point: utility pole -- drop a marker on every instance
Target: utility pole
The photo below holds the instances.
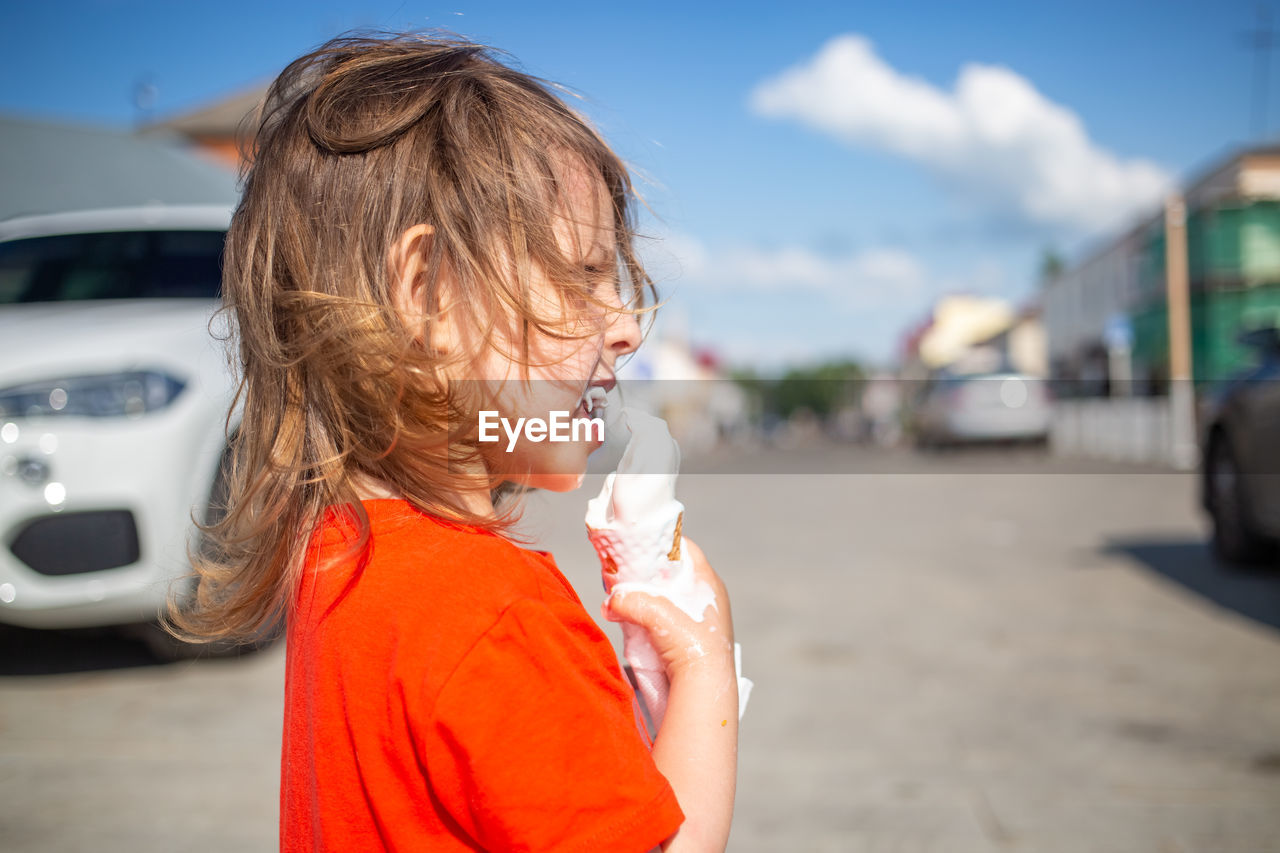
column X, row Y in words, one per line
column 1262, row 41
column 1182, row 398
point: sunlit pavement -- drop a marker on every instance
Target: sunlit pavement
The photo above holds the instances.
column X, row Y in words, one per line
column 971, row 651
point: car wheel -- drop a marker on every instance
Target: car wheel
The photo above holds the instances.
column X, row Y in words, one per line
column 1234, row 539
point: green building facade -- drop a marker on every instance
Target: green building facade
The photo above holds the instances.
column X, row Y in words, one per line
column 1233, row 257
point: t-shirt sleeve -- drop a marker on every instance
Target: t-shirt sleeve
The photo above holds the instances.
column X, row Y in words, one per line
column 533, row 745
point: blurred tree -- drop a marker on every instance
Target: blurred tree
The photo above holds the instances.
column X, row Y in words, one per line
column 1052, row 265
column 822, row 389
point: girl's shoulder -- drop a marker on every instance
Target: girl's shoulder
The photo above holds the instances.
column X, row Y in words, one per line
column 420, row 583
column 420, row 561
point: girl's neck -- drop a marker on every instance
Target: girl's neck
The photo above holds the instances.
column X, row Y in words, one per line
column 478, row 502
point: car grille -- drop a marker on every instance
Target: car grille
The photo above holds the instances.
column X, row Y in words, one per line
column 78, row 542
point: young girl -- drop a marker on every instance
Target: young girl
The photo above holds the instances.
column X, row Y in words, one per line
column 426, row 233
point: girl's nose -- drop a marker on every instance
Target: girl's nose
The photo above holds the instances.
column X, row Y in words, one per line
column 623, row 334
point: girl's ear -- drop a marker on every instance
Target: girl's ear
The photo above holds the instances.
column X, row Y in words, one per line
column 434, row 325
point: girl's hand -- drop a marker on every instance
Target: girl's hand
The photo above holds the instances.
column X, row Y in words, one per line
column 684, row 644
column 697, row 747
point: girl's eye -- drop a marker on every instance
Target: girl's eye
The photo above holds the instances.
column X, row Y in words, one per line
column 602, row 280
column 599, row 274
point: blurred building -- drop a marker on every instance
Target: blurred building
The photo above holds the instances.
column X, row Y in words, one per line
column 1022, row 345
column 218, row 130
column 960, row 324
column 975, row 334
column 51, row 167
column 1107, row 316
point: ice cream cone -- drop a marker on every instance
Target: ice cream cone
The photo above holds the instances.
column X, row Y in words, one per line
column 636, row 526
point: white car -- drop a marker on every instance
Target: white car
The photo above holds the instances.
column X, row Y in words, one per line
column 113, row 408
column 985, row 407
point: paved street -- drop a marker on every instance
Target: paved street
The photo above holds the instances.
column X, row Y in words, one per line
column 963, row 652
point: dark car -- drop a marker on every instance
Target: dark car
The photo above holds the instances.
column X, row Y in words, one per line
column 1240, row 483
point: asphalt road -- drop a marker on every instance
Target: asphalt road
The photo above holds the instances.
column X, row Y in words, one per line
column 964, row 652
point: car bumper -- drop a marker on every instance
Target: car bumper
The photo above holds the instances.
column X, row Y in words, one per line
column 72, row 491
column 998, row 425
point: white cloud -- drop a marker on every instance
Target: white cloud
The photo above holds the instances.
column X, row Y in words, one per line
column 869, row 277
column 775, row 356
column 803, row 305
column 994, row 135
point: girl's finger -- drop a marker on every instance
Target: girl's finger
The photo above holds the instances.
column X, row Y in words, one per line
column 627, row 604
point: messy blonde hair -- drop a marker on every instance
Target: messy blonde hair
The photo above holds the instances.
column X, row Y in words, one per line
column 356, row 143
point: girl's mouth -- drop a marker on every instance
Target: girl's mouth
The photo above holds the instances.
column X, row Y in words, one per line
column 591, row 409
column 593, row 402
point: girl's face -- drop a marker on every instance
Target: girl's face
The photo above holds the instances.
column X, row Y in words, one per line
column 561, row 370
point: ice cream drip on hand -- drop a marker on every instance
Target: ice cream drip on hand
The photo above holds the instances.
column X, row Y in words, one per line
column 636, row 527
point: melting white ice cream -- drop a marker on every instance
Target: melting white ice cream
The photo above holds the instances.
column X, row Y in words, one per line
column 635, row 525
column 645, row 483
column 636, row 520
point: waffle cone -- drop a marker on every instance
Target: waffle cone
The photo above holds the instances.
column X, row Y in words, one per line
column 674, row 553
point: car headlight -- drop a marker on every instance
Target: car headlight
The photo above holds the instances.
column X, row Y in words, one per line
column 108, row 395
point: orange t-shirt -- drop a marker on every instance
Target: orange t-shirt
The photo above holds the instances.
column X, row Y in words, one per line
column 449, row 692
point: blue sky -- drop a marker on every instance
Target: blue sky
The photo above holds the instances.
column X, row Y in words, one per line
column 818, row 173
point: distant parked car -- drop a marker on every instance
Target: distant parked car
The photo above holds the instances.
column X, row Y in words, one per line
column 113, row 405
column 1240, row 474
column 987, row 407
